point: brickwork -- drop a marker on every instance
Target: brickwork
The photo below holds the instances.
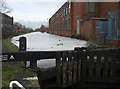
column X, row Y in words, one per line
column 7, row 22
column 79, row 12
column 107, row 6
column 59, row 21
column 88, row 29
column 115, row 42
column 60, row 25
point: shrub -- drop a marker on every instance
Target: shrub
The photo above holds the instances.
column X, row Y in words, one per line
column 8, row 33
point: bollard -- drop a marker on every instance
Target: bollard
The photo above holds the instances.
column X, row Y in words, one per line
column 22, row 47
column 22, row 44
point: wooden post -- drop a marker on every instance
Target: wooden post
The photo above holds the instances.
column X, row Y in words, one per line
column 95, row 59
column 79, row 64
column 58, row 69
column 88, row 66
column 74, row 67
column 70, row 73
column 64, row 69
column 116, row 66
column 83, row 63
column 98, row 66
column 33, row 64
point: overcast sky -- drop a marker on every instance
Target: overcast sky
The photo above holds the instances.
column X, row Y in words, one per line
column 33, row 13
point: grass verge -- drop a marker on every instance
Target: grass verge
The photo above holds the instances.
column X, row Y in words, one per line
column 12, row 71
column 11, row 47
column 15, row 70
column 9, row 71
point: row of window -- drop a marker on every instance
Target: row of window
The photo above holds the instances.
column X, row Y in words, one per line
column 7, row 18
column 63, row 26
column 63, row 12
column 9, row 27
column 7, row 22
column 90, row 8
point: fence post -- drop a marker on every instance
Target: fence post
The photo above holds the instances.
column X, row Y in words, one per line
column 70, row 68
column 58, row 69
column 64, row 69
column 83, row 63
column 78, row 63
column 74, row 59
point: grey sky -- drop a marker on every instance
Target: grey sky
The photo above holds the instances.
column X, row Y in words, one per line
column 33, row 13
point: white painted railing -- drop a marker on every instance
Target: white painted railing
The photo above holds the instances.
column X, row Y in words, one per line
column 17, row 83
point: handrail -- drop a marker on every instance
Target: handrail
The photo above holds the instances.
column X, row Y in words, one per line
column 17, row 83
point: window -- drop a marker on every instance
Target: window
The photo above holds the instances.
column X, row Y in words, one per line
column 69, row 25
column 53, row 18
column 66, row 25
column 63, row 25
column 90, row 7
column 60, row 14
column 57, row 15
column 66, row 10
column 69, row 6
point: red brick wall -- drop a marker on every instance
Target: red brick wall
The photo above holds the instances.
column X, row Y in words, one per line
column 79, row 9
column 101, row 10
column 56, row 23
column 115, row 43
column 88, row 29
column 107, row 6
column 75, row 11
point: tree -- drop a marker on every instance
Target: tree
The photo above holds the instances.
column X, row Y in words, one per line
column 4, row 7
column 42, row 28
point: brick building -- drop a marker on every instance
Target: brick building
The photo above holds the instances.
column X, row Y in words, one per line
column 79, row 18
column 17, row 27
column 7, row 22
column 111, row 10
column 86, row 14
column 60, row 22
column 66, row 21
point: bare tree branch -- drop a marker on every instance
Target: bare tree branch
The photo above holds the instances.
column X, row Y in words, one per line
column 4, row 7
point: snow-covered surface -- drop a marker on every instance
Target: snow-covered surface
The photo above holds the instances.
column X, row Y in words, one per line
column 38, row 41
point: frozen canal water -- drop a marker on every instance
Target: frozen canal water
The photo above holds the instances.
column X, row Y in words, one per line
column 38, row 41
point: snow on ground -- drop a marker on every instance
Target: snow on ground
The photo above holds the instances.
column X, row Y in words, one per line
column 38, row 41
